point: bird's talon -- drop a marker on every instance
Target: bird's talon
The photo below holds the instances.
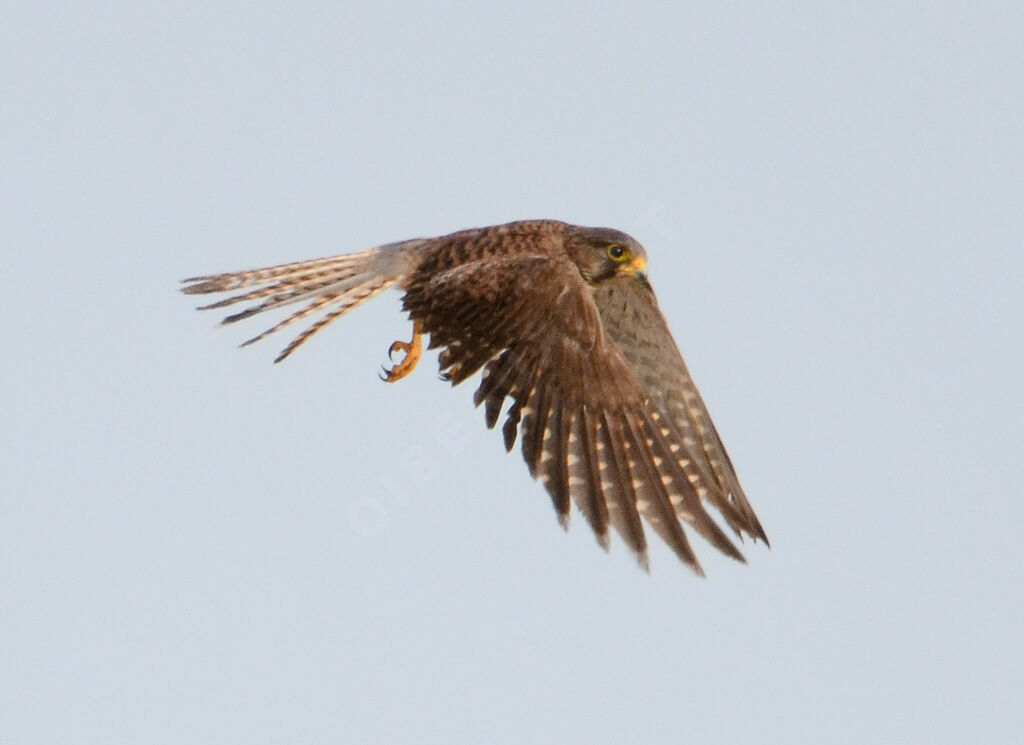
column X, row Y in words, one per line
column 396, row 346
column 412, row 350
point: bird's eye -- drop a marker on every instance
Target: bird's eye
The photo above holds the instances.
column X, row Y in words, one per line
column 617, row 252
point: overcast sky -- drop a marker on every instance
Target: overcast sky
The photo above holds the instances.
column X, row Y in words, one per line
column 197, row 545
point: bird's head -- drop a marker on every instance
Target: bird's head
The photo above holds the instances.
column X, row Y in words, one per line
column 603, row 253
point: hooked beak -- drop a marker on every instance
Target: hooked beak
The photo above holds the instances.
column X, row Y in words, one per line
column 637, row 269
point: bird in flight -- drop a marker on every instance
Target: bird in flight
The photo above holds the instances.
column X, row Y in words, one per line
column 564, row 326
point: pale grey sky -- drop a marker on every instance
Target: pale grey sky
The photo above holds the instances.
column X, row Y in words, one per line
column 199, row 546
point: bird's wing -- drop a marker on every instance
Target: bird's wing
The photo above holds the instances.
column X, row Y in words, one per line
column 632, row 320
column 588, row 430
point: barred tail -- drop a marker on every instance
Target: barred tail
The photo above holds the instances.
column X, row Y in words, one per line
column 335, row 284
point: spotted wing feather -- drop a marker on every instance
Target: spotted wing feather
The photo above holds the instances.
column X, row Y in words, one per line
column 587, row 429
column 632, row 320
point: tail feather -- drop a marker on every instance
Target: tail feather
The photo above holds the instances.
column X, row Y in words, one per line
column 301, row 313
column 343, row 281
column 320, row 288
column 348, row 301
column 280, row 291
column 290, row 273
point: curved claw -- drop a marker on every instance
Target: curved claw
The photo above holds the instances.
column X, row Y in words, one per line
column 395, row 346
column 412, row 350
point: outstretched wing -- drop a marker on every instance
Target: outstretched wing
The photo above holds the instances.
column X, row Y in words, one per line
column 589, row 431
column 631, row 318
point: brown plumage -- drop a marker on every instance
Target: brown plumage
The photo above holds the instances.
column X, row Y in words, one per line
column 561, row 320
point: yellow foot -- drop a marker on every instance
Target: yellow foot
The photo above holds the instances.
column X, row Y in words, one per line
column 413, row 349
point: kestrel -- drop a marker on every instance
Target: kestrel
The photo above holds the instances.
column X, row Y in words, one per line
column 562, row 322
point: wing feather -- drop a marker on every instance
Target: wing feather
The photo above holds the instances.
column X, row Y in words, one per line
column 618, row 486
column 653, row 501
column 588, row 428
column 554, row 460
column 585, row 474
column 632, row 320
